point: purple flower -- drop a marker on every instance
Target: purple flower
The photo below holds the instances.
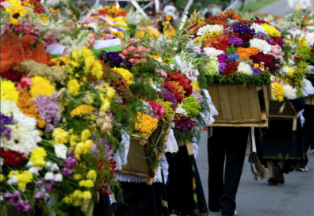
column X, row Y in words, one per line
column 128, row 64
column 222, row 67
column 5, row 131
column 168, row 96
column 70, row 162
column 70, row 152
column 11, row 202
column 197, row 96
column 40, row 182
column 39, row 195
column 66, row 171
column 119, row 125
column 17, row 194
column 222, row 58
column 48, row 187
column 8, row 196
column 114, row 58
column 243, row 29
column 183, row 122
column 23, row 206
column 256, row 71
column 49, row 109
column 235, row 41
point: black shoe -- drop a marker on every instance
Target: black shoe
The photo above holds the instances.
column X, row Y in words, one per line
column 278, row 174
column 215, row 210
column 272, row 181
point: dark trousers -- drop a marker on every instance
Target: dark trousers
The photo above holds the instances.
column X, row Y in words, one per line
column 226, row 144
column 308, row 132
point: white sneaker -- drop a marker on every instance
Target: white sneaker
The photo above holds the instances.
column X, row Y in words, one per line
column 235, row 212
column 303, row 169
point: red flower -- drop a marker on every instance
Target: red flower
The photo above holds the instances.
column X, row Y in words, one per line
column 170, row 87
column 176, row 76
column 39, row 10
column 14, row 76
column 12, row 158
column 268, row 60
column 189, row 90
column 246, row 37
column 231, row 67
column 297, row 58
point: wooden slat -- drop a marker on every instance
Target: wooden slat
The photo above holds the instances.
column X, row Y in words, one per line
column 213, row 92
column 234, row 102
column 254, row 103
column 224, row 102
column 266, row 100
column 245, row 103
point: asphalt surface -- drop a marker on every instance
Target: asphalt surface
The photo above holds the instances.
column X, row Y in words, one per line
column 279, row 8
column 256, row 198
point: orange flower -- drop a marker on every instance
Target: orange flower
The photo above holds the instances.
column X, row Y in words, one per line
column 245, row 53
column 27, row 106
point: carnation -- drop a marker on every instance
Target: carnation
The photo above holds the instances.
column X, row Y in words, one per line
column 244, row 68
column 208, row 29
column 262, row 45
column 290, row 92
column 212, row 52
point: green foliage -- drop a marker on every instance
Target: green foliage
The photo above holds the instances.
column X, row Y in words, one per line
column 240, row 79
column 231, row 50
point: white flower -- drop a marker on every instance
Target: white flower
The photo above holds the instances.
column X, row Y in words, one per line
column 290, row 92
column 159, row 59
column 244, row 68
column 49, row 176
column 58, row 177
column 48, row 164
column 54, row 167
column 21, row 140
column 1, row 197
column 310, row 39
column 9, row 108
column 180, row 110
column 172, row 66
column 208, row 29
column 262, row 45
column 51, row 3
column 61, row 151
column 210, row 51
column 29, row 164
column 285, row 69
column 258, row 28
column 189, row 71
column 34, row 170
column 272, row 78
column 12, row 180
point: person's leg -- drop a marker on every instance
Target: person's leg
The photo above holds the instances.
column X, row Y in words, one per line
column 270, row 166
column 235, row 156
column 308, row 139
column 216, row 158
column 280, row 163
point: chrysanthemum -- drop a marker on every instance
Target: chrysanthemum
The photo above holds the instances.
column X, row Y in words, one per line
column 82, row 109
column 8, row 91
column 41, row 86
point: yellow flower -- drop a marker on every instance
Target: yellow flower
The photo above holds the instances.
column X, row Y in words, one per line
column 16, row 10
column 196, row 86
column 88, row 145
column 302, row 41
column 89, row 183
column 41, row 86
column 77, row 176
column 105, row 105
column 86, row 195
column 82, row 109
column 73, row 87
column 110, row 92
column 2, row 178
column 21, row 185
column 126, row 75
column 44, row 19
column 8, row 91
column 85, row 135
column 39, row 162
column 73, row 140
column 77, row 202
column 11, row 173
column 82, row 183
column 278, row 92
column 39, row 152
column 67, row 200
column 91, row 174
column 291, row 72
column 271, row 30
column 77, row 194
column 145, row 124
column 60, row 136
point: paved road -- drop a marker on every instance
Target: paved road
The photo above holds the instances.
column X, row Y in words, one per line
column 294, row 198
column 279, row 8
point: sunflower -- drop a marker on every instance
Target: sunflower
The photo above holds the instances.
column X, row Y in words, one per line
column 60, row 62
column 16, row 10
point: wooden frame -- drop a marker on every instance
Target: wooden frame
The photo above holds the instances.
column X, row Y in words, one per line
column 240, row 106
column 139, row 156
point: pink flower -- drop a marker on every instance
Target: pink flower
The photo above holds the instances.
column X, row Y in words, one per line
column 25, row 82
column 158, row 109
